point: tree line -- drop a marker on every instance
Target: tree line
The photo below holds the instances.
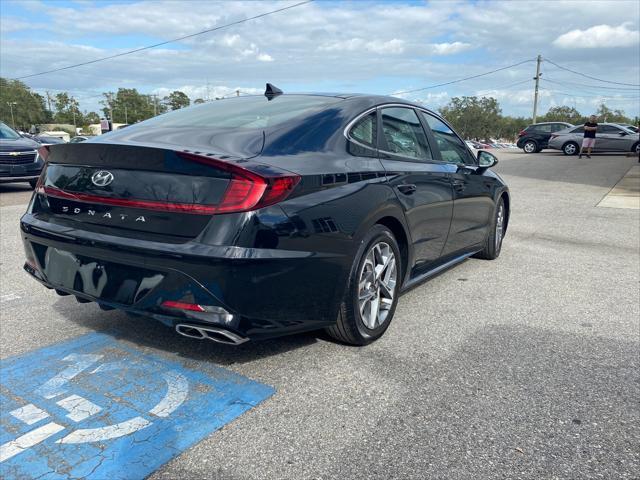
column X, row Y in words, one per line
column 477, row 118
column 481, row 118
column 21, row 107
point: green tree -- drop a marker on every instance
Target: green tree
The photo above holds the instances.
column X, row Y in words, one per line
column 91, row 117
column 605, row 114
column 473, row 117
column 67, row 110
column 562, row 114
column 28, row 107
column 177, row 100
column 130, row 106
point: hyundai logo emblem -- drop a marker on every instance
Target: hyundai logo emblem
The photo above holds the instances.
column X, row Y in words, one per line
column 102, row 178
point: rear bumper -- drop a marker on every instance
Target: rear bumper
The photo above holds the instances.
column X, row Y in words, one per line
column 267, row 292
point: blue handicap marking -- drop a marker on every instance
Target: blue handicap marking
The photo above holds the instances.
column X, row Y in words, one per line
column 96, row 408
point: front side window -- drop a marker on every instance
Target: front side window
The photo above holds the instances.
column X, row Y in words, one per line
column 404, row 134
column 578, row 130
column 452, row 149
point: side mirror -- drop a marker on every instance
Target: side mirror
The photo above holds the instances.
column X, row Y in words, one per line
column 623, row 134
column 486, row 159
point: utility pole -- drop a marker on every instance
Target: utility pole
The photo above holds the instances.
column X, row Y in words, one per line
column 11, row 104
column 155, row 105
column 49, row 103
column 74, row 120
column 535, row 95
column 125, row 115
column 110, row 111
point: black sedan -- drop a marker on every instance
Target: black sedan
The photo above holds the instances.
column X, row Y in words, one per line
column 260, row 216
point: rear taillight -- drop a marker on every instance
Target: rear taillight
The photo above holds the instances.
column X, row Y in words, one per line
column 522, row 133
column 248, row 190
column 553, row 136
column 192, row 307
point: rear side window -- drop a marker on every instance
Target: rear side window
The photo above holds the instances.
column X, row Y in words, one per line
column 251, row 112
column 542, row 128
column 365, row 130
column 608, row 129
column 556, row 127
column 452, row 149
column 404, row 134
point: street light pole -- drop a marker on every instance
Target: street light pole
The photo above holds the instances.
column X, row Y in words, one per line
column 11, row 104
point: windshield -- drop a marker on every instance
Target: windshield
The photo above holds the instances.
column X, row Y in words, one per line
column 7, row 133
column 243, row 112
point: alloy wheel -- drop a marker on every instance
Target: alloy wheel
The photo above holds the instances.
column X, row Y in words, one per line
column 499, row 226
column 530, row 147
column 570, row 149
column 377, row 285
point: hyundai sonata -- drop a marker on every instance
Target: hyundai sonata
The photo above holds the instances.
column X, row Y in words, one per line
column 260, row 216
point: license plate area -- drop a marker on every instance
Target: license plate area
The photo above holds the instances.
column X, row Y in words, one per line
column 104, row 280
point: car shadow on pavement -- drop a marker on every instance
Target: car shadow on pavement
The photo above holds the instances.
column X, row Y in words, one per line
column 147, row 332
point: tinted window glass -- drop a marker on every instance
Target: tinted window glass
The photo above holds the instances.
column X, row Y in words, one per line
column 556, row 127
column 404, row 134
column 542, row 128
column 452, row 149
column 8, row 133
column 608, row 129
column 243, row 112
column 578, row 130
column 364, row 131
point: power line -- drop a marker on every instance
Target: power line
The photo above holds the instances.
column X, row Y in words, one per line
column 589, row 76
column 568, row 83
column 238, row 22
column 463, row 79
column 591, row 96
column 485, row 92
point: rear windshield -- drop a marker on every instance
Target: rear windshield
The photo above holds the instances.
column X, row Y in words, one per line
column 243, row 112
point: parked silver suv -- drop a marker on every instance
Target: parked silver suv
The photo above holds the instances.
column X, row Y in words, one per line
column 610, row 137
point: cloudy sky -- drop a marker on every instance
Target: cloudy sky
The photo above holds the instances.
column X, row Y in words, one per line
column 376, row 47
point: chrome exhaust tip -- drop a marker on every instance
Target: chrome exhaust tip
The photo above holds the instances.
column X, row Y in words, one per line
column 202, row 332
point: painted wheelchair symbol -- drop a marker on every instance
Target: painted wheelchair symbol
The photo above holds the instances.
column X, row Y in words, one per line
column 80, row 408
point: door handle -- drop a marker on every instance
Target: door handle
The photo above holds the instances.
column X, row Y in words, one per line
column 407, row 188
column 459, row 185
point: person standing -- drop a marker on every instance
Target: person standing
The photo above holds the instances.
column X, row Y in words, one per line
column 589, row 139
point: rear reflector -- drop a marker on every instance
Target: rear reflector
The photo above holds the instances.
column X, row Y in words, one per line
column 183, row 306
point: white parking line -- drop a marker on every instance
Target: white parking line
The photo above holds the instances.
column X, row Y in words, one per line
column 29, row 414
column 78, row 407
column 8, row 297
column 28, row 440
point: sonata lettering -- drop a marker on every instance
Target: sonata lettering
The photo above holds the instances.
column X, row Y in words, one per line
column 122, row 216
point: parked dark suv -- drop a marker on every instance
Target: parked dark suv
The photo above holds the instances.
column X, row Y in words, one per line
column 19, row 159
column 536, row 137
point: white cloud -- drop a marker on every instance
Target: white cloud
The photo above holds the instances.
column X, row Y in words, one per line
column 449, row 48
column 393, row 46
column 599, row 36
column 265, row 57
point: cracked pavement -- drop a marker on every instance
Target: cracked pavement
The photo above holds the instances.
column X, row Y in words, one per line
column 526, row 367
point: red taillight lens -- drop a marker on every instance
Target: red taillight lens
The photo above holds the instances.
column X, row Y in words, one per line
column 522, row 133
column 553, row 136
column 44, row 152
column 183, row 306
column 247, row 190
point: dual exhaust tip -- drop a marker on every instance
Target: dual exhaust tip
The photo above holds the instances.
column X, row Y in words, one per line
column 205, row 332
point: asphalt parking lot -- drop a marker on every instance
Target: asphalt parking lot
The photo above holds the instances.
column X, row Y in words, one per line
column 525, row 367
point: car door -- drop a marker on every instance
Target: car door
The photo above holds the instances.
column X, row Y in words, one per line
column 473, row 192
column 611, row 139
column 422, row 183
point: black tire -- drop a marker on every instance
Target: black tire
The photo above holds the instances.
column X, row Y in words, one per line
column 571, row 148
column 636, row 148
column 33, row 183
column 350, row 327
column 492, row 248
column 530, row 146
